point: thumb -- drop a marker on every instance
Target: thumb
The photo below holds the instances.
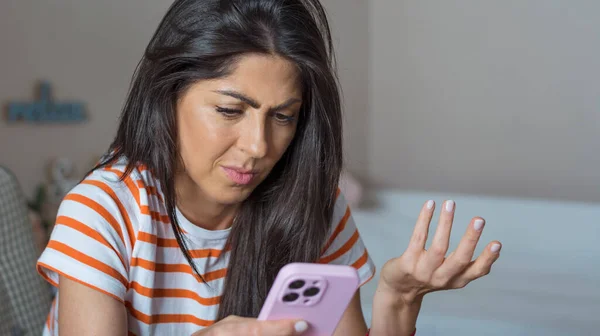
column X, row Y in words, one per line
column 283, row 327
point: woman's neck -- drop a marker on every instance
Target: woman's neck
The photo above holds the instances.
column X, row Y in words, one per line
column 200, row 210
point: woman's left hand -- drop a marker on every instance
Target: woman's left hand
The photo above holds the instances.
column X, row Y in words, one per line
column 419, row 271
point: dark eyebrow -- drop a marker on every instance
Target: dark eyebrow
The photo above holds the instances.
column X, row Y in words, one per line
column 240, row 96
column 285, row 105
column 254, row 103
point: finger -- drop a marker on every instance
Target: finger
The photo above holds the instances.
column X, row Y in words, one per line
column 441, row 239
column 461, row 258
column 419, row 236
column 281, row 327
column 479, row 267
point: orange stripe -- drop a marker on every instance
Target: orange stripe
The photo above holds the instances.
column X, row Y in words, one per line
column 340, row 227
column 145, row 210
column 86, row 230
column 119, row 173
column 162, row 242
column 147, row 237
column 177, row 268
column 149, row 189
column 361, row 261
column 50, row 318
column 40, row 264
column 99, row 209
column 167, row 242
column 174, row 293
column 166, row 318
column 369, row 279
column 337, row 193
column 154, row 191
column 53, row 313
column 205, row 253
column 345, row 248
column 122, row 209
column 215, row 275
column 158, row 217
column 135, row 192
column 129, row 333
column 44, row 275
column 83, row 258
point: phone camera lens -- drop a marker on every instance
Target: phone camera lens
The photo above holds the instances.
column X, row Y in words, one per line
column 311, row 291
column 291, row 297
column 297, row 284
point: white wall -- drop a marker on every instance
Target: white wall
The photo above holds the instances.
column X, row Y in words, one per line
column 497, row 97
column 350, row 30
column 88, row 50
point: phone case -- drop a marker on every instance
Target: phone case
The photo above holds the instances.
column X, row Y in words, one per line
column 316, row 293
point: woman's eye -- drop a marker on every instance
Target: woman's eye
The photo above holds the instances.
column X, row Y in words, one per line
column 228, row 112
column 284, row 119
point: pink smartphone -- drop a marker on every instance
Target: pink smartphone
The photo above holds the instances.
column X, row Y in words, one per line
column 316, row 293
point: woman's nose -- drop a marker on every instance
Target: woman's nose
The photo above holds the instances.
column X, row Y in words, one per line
column 253, row 139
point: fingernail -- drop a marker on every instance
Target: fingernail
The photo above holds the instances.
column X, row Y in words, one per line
column 430, row 204
column 301, row 326
column 449, row 205
column 478, row 225
column 495, row 248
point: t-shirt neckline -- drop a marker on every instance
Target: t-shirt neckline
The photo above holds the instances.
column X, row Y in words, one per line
column 195, row 231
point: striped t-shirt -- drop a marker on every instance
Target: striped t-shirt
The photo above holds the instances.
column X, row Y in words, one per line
column 115, row 237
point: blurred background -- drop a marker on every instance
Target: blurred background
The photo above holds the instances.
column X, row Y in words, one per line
column 492, row 103
column 479, row 97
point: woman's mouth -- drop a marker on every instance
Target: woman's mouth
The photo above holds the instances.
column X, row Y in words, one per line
column 239, row 175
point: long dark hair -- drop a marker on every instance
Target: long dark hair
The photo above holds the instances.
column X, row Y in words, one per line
column 287, row 217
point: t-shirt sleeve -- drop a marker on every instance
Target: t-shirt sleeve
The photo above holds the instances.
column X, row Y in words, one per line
column 91, row 241
column 344, row 245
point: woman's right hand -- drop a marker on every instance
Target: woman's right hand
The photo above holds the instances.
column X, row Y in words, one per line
column 235, row 325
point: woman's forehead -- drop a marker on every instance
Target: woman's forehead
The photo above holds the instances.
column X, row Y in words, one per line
column 266, row 79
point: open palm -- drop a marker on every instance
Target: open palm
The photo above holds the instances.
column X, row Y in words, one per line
column 419, row 271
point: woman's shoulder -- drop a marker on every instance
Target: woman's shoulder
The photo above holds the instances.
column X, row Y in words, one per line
column 116, row 179
column 109, row 181
column 114, row 191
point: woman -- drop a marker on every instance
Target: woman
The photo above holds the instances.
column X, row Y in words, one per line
column 224, row 168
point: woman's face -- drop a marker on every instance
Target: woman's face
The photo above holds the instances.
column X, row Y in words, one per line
column 233, row 130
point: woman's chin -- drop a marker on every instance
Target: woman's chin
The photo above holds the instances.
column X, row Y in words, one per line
column 233, row 195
